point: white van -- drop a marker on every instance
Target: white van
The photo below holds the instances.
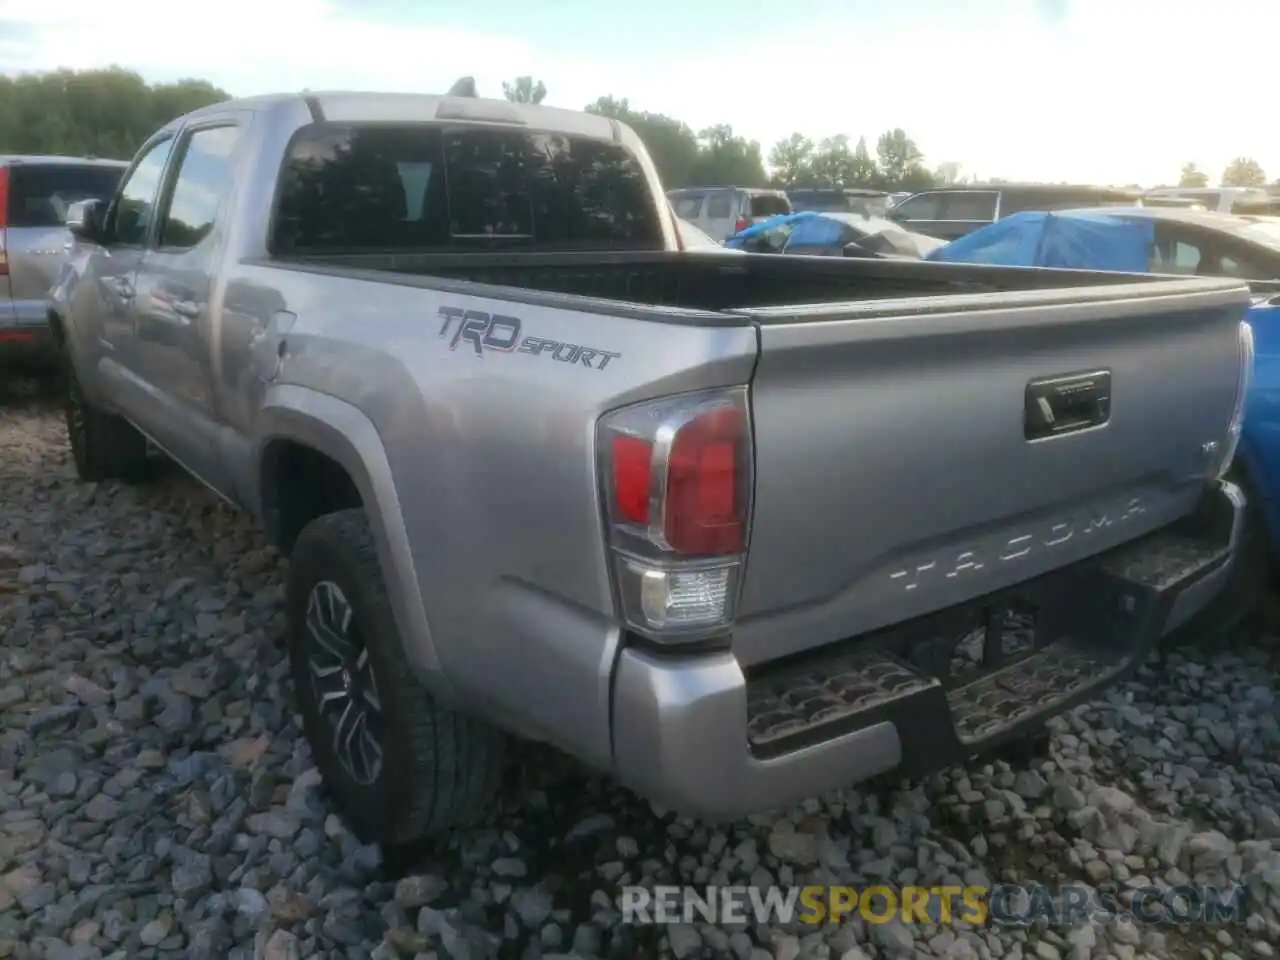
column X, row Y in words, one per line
column 723, row 211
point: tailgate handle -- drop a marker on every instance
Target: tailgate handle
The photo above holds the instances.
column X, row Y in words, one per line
column 1066, row 403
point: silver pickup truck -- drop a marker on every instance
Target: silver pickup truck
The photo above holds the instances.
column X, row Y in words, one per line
column 736, row 530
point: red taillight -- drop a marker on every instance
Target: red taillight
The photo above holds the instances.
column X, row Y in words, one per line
column 705, row 502
column 632, row 478
column 742, row 224
column 702, row 504
column 677, row 476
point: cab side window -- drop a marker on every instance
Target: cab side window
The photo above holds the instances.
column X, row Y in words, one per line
column 135, row 205
column 975, row 206
column 1177, row 254
column 925, row 206
column 1245, row 265
column 202, row 185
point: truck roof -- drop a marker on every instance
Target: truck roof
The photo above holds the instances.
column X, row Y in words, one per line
column 355, row 106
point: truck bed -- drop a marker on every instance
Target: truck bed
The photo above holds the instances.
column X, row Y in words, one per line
column 712, row 282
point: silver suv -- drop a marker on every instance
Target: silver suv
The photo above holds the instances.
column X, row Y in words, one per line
column 35, row 193
column 723, row 211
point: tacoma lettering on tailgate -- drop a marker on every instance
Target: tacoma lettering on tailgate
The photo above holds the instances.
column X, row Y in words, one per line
column 495, row 333
column 1047, row 536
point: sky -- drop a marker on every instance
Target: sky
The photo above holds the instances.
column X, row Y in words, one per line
column 1100, row 91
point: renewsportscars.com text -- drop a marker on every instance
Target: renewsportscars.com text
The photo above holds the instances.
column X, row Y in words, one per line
column 1004, row 905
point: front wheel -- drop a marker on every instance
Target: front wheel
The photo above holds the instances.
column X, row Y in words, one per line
column 400, row 767
column 104, row 446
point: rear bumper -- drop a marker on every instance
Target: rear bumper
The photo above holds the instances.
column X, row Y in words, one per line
column 26, row 339
column 707, row 738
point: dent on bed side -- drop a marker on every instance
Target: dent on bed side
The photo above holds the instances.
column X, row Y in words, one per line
column 343, row 433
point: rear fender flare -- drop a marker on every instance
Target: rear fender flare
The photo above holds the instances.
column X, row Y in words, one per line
column 343, row 433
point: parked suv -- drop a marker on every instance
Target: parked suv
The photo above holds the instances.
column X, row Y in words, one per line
column 723, row 211
column 953, row 212
column 35, row 193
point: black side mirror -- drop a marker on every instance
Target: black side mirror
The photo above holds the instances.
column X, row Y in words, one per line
column 86, row 220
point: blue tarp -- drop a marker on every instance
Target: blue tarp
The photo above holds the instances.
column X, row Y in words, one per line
column 817, row 231
column 1079, row 241
column 782, row 219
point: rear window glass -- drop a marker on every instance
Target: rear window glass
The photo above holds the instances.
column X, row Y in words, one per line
column 688, row 207
column 768, row 206
column 39, row 194
column 366, row 187
column 719, row 206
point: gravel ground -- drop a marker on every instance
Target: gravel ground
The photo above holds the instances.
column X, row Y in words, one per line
column 157, row 799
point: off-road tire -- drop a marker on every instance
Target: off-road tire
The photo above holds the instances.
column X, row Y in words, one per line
column 439, row 768
column 103, row 446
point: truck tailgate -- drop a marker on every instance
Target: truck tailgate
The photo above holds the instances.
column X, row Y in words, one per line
column 905, row 459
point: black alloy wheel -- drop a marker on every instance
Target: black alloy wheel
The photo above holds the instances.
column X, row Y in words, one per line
column 343, row 683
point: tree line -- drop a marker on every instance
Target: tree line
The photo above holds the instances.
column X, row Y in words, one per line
column 1240, row 172
column 109, row 113
column 92, row 113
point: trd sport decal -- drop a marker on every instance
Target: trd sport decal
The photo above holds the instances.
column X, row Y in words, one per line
column 495, row 333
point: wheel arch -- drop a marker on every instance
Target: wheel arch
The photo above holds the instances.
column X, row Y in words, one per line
column 57, row 327
column 293, row 418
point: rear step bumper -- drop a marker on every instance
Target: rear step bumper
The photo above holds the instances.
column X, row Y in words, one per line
column 703, row 736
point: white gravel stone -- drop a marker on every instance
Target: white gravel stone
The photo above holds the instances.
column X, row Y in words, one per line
column 157, row 799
